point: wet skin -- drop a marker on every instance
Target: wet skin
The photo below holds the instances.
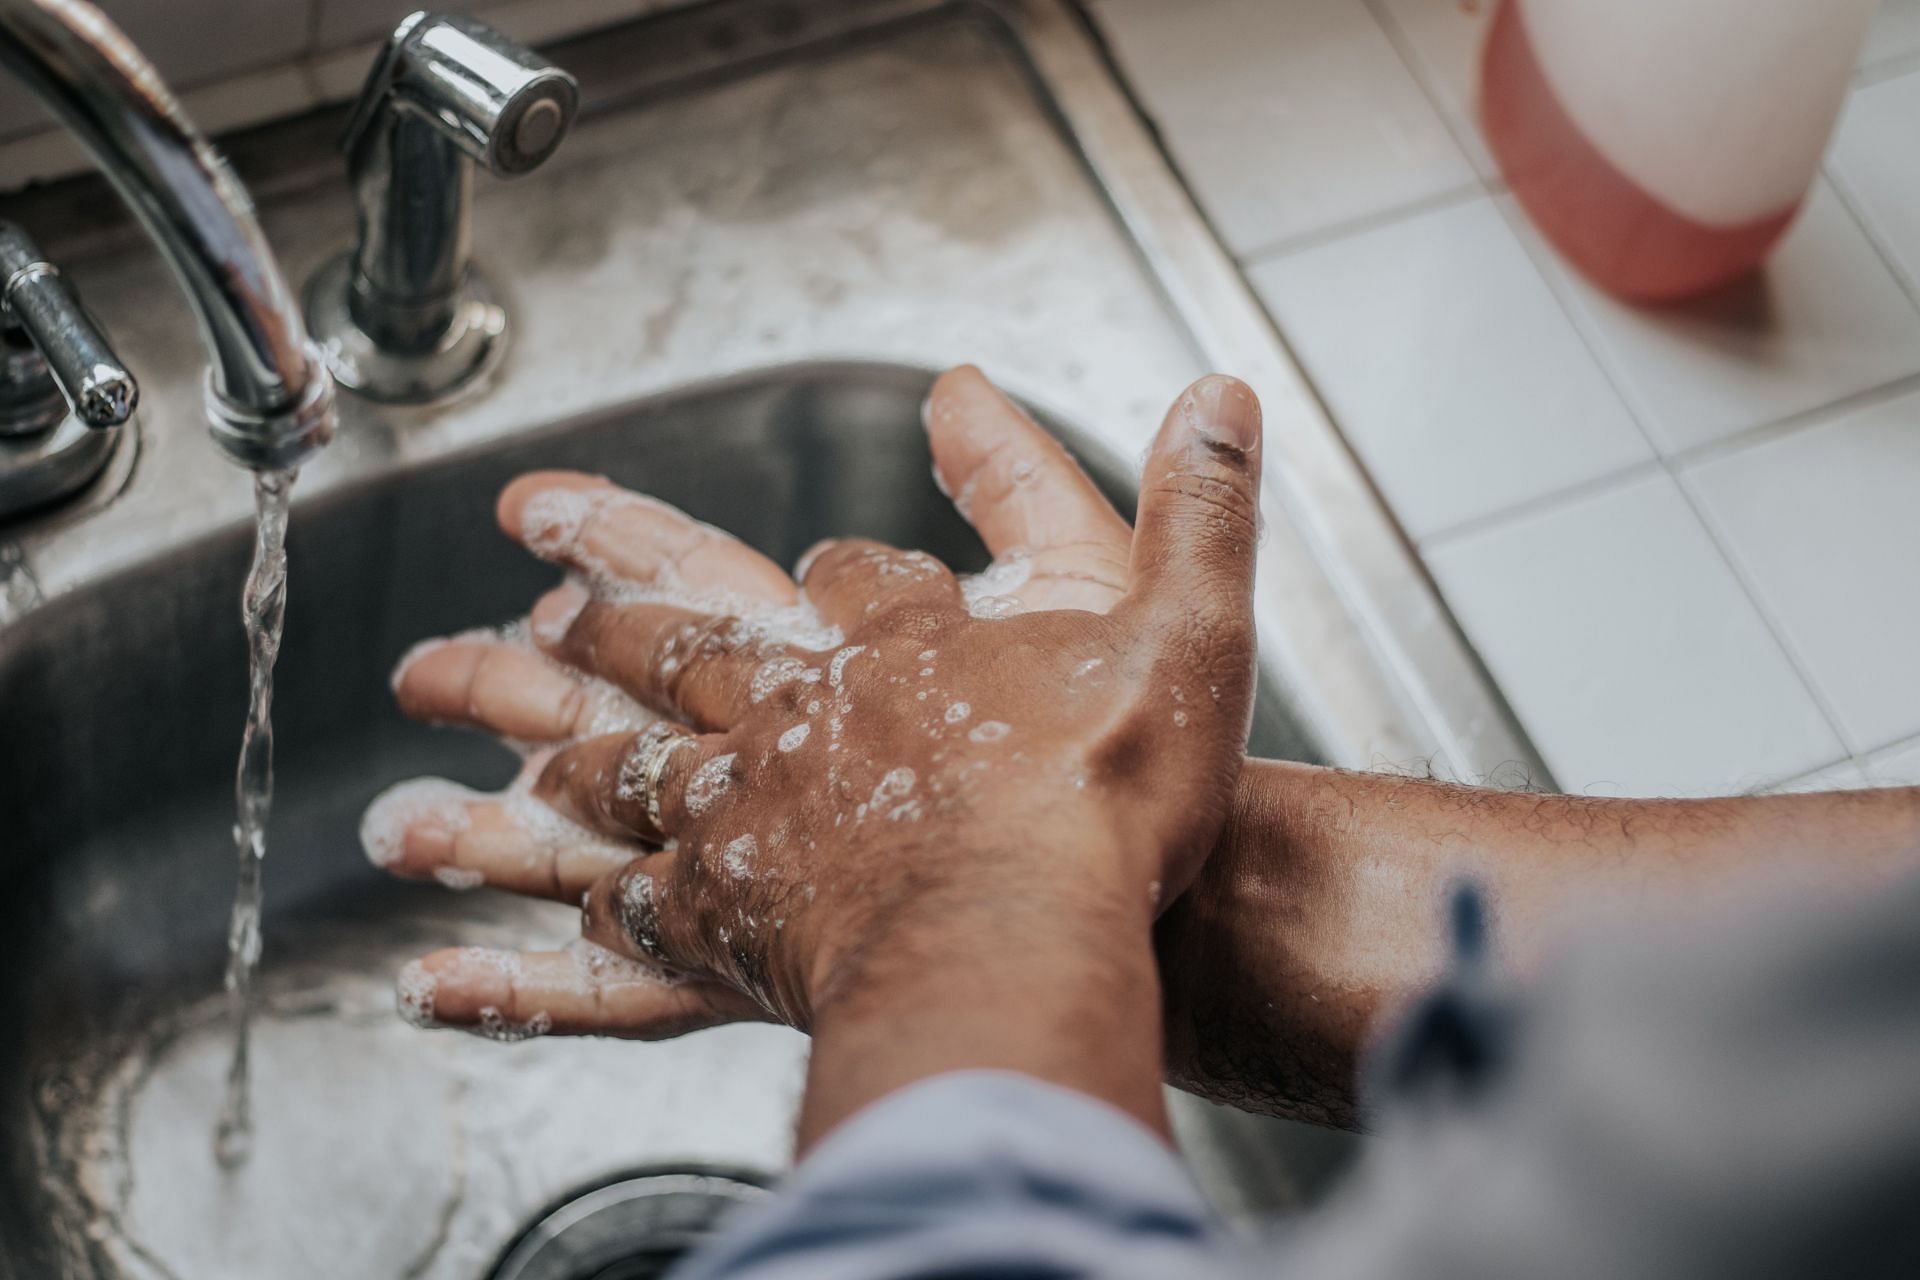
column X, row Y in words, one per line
column 1316, row 911
column 975, row 800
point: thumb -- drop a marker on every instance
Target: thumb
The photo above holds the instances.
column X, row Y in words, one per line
column 1199, row 515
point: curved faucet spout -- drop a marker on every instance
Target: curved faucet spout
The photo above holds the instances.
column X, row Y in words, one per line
column 269, row 395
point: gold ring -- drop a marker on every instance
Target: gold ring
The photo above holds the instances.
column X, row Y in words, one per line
column 646, row 766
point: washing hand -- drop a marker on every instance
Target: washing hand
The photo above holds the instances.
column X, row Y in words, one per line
column 918, row 796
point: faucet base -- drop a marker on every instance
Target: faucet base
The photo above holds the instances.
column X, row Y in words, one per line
column 39, row 470
column 471, row 347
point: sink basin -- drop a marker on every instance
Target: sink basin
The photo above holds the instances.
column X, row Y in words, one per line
column 730, row 288
column 437, row 1146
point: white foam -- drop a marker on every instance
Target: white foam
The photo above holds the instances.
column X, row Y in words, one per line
column 708, row 783
column 493, row 1025
column 793, row 738
column 991, row 592
column 460, row 878
column 553, row 519
column 552, row 630
column 837, row 668
column 957, row 711
column 777, row 672
column 383, row 828
column 1180, row 719
column 739, row 854
column 990, row 731
column 414, row 992
column 600, row 967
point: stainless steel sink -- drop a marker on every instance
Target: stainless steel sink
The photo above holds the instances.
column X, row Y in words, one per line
column 731, row 290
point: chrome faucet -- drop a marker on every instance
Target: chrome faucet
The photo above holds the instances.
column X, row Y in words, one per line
column 269, row 397
column 406, row 316
column 63, row 393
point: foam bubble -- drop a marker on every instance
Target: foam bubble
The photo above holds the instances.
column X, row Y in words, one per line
column 493, row 1025
column 708, row 783
column 991, row 592
column 553, row 519
column 738, row 856
column 777, row 672
column 383, row 828
column 990, row 731
column 793, row 738
column 460, row 878
column 414, row 992
column 958, row 711
column 837, row 668
column 600, row 967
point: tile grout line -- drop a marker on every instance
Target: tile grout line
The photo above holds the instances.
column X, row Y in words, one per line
column 1851, row 203
column 1722, row 544
column 1318, row 238
column 1410, row 58
column 1668, row 466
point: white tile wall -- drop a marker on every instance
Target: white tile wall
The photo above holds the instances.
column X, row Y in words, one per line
column 1286, row 117
column 1441, row 39
column 1895, row 33
column 1825, row 523
column 1823, row 321
column 1898, row 767
column 1873, row 164
column 1436, row 345
column 1678, row 537
column 1629, row 649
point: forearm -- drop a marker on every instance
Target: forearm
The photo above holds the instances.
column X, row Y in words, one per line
column 1322, row 906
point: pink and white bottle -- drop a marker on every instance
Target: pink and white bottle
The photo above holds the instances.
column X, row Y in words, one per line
column 1664, row 145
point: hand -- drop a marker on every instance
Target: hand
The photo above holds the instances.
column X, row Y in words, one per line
column 813, row 824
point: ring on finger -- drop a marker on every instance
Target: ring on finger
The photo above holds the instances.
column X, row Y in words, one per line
column 646, row 766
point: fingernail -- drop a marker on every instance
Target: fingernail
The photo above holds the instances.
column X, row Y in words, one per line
column 1223, row 410
column 554, row 613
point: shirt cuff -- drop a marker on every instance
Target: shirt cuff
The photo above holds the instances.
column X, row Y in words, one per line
column 976, row 1172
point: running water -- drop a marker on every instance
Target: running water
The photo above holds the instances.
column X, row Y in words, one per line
column 263, row 611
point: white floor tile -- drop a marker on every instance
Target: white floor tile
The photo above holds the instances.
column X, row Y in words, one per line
column 1445, row 37
column 1287, row 116
column 1895, row 32
column 1897, row 767
column 1825, row 522
column 1823, row 320
column 1628, row 649
column 1872, row 158
column 1449, row 365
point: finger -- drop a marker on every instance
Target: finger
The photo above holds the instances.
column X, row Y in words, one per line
column 506, row 689
column 704, row 669
column 594, row 525
column 855, row 583
column 641, row 911
column 599, row 783
column 1193, row 550
column 586, row 990
column 429, row 828
column 1022, row 491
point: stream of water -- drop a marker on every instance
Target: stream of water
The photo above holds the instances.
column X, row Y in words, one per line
column 263, row 612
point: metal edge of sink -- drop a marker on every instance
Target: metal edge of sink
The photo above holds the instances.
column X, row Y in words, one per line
column 1372, row 659
column 1372, row 663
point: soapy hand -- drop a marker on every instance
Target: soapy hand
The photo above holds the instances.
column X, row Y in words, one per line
column 902, row 757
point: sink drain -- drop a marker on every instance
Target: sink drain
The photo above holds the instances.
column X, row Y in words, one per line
column 632, row 1228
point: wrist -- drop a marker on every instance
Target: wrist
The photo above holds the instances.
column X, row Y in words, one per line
column 1052, row 980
